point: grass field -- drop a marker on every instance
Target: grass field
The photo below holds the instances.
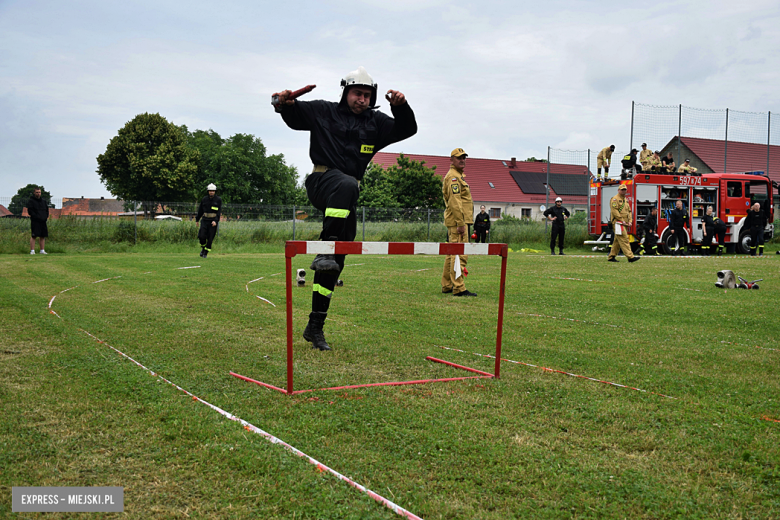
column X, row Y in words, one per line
column 533, row 444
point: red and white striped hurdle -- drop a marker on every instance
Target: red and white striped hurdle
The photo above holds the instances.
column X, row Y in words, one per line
column 295, row 247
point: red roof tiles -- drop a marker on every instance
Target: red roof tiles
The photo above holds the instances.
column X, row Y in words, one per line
column 481, row 172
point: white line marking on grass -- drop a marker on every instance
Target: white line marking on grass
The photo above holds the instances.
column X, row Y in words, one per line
column 268, row 301
column 274, row 440
column 106, row 279
column 190, row 267
column 562, row 372
column 252, row 281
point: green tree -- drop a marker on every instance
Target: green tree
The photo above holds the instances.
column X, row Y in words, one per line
column 408, row 184
column 242, row 170
column 19, row 201
column 149, row 160
column 376, row 190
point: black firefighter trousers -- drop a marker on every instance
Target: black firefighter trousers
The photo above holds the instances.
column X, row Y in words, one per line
column 206, row 233
column 335, row 194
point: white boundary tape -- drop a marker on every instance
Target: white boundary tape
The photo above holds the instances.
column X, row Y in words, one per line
column 254, row 429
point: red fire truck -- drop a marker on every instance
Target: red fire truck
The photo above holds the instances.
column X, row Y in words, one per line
column 729, row 194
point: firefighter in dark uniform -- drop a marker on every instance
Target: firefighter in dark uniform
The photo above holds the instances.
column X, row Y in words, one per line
column 557, row 215
column 650, row 245
column 482, row 225
column 709, row 232
column 629, row 164
column 344, row 137
column 209, row 212
column 677, row 225
column 756, row 222
column 720, row 233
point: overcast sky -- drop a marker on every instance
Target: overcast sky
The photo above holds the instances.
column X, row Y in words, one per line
column 499, row 79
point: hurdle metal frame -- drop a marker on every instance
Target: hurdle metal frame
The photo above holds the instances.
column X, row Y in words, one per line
column 297, row 247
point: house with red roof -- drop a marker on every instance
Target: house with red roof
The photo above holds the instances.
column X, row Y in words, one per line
column 5, row 212
column 718, row 156
column 517, row 188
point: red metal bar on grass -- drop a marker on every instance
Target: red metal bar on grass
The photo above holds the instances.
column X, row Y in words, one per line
column 288, row 284
column 249, row 379
column 396, row 383
column 429, row 358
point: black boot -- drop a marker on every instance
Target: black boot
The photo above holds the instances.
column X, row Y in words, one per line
column 205, row 253
column 313, row 331
column 325, row 264
column 552, row 252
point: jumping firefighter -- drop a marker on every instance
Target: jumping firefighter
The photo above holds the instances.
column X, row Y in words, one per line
column 344, row 137
column 210, row 210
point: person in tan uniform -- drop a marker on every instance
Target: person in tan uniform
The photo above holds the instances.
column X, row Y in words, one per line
column 620, row 213
column 457, row 217
column 645, row 156
column 687, row 168
column 603, row 160
column 654, row 163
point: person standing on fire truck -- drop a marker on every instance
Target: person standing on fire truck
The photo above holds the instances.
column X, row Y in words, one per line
column 620, row 216
column 679, row 219
column 603, row 160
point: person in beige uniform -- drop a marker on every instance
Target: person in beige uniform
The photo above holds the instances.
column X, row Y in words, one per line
column 687, row 168
column 604, row 160
column 457, row 217
column 620, row 213
column 644, row 157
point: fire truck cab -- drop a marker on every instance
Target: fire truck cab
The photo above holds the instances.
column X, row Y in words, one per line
column 729, row 194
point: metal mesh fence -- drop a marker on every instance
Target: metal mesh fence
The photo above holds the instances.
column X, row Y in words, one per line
column 725, row 140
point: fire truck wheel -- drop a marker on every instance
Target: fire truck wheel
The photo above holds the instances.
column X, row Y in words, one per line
column 743, row 245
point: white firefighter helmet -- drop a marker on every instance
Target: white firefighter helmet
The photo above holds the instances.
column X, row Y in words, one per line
column 211, row 187
column 358, row 77
column 558, row 199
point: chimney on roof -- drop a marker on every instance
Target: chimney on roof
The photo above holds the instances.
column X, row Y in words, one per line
column 513, row 162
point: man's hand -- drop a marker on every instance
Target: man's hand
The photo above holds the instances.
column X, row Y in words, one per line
column 283, row 98
column 213, row 223
column 461, row 230
column 395, row 98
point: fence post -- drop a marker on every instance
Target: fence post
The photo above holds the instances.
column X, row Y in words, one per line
column 768, row 134
column 547, row 187
column 135, row 222
column 429, row 223
column 364, row 223
column 295, row 217
column 631, row 144
column 678, row 159
column 726, row 142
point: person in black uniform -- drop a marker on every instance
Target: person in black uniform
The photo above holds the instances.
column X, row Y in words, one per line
column 38, row 209
column 629, row 163
column 679, row 219
column 650, row 245
column 344, row 138
column 210, row 210
column 482, row 225
column 756, row 222
column 709, row 232
column 720, row 233
column 557, row 215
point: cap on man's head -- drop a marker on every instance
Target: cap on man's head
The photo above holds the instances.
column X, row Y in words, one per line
column 558, row 199
column 634, row 150
column 458, row 152
column 644, row 144
column 687, row 160
column 657, row 152
column 623, row 187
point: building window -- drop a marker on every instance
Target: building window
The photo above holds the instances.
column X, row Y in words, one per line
column 525, row 212
column 491, row 185
column 495, row 212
